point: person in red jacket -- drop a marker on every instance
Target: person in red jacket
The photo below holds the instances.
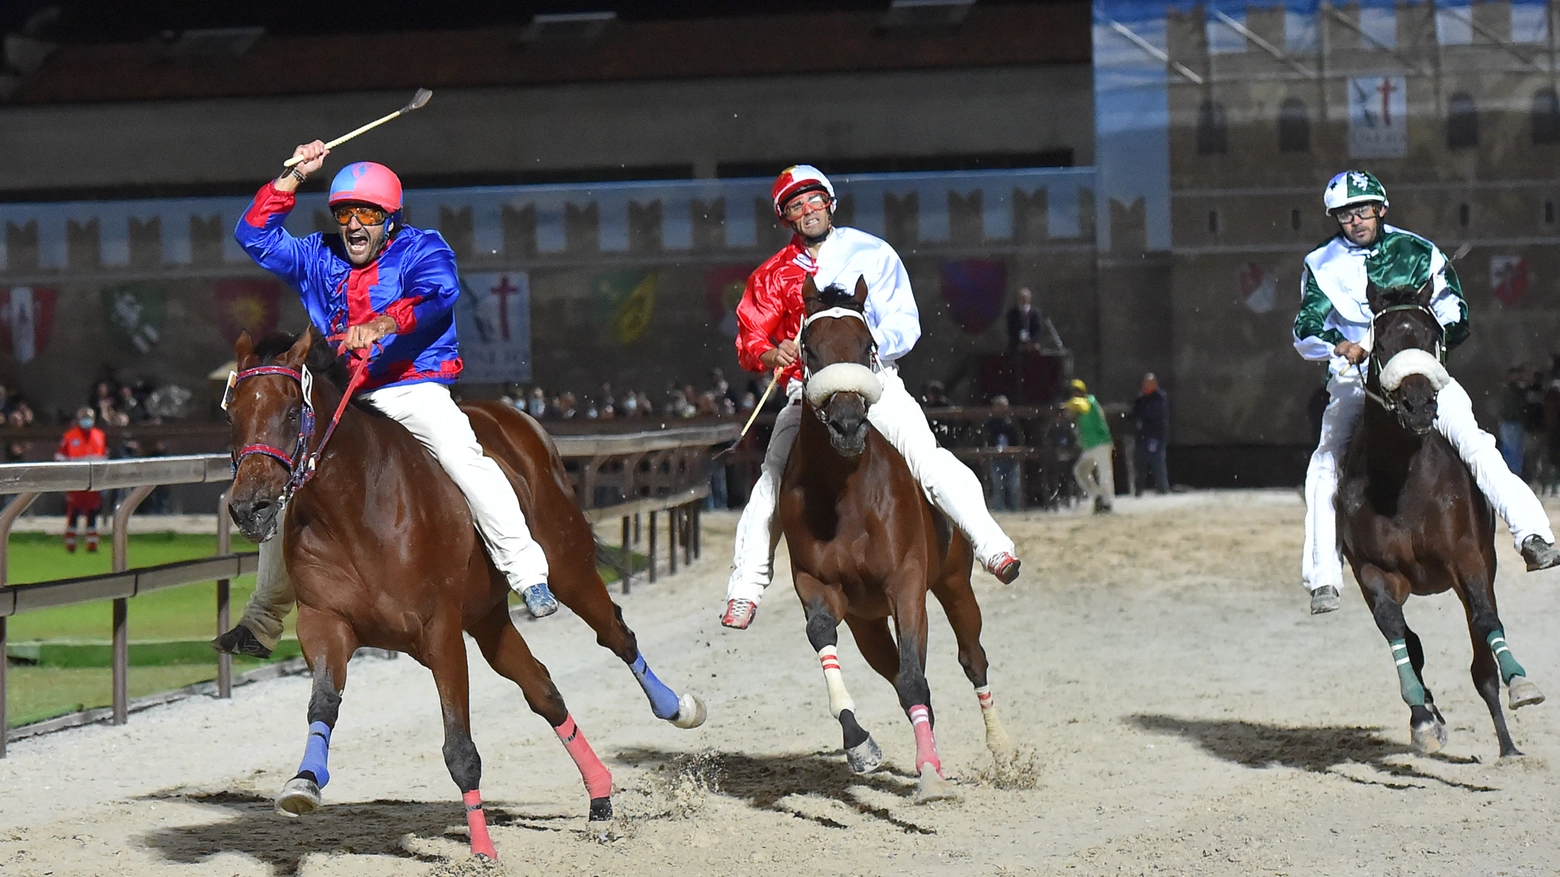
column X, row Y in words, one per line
column 83, row 441
column 768, row 319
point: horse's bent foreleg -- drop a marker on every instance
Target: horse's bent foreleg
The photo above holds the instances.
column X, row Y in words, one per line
column 1493, row 662
column 447, row 660
column 862, row 753
column 963, row 611
column 507, row 653
column 1425, row 722
column 328, row 644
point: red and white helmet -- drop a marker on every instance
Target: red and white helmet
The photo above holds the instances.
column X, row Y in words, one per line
column 796, row 179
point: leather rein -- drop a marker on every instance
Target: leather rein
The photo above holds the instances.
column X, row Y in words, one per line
column 301, row 463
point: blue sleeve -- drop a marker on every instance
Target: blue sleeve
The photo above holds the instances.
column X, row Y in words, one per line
column 262, row 236
column 430, row 286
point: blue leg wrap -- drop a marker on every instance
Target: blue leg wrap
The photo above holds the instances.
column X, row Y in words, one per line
column 317, row 753
column 663, row 701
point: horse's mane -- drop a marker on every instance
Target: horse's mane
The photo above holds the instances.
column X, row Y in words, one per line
column 322, row 360
column 837, row 296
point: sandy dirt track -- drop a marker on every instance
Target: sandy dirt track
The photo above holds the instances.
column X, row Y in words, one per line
column 1178, row 710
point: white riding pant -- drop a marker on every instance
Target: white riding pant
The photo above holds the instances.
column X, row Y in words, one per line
column 1321, row 564
column 429, row 412
column 949, row 484
column 1095, row 474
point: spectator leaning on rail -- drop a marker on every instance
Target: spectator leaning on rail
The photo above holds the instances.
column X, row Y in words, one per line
column 768, row 318
column 1334, row 318
column 384, row 283
column 83, row 441
column 1151, row 417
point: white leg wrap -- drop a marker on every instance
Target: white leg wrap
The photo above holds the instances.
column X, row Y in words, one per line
column 839, row 698
column 1510, row 496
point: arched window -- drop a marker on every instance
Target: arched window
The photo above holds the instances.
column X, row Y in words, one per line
column 1462, row 121
column 1294, row 126
column 1546, row 116
column 1213, row 137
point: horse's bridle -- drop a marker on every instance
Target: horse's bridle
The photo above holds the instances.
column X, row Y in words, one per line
column 836, row 313
column 1376, row 365
column 299, row 464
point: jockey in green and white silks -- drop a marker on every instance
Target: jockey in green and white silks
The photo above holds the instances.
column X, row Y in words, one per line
column 1333, row 322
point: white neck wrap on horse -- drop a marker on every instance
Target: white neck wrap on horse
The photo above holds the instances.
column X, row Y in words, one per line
column 844, row 377
column 1414, row 362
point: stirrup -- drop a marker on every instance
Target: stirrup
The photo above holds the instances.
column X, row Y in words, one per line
column 739, row 614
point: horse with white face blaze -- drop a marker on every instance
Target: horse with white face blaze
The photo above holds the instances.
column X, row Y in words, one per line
column 1412, row 521
column 866, row 546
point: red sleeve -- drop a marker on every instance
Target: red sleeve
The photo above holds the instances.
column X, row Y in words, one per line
column 268, row 202
column 98, row 444
column 758, row 316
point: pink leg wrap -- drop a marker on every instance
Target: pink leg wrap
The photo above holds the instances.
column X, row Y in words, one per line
column 476, row 820
column 598, row 780
column 925, row 743
column 983, row 695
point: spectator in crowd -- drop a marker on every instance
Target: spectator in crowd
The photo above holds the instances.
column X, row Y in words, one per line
column 748, row 401
column 1002, row 472
column 722, row 389
column 83, row 441
column 1093, row 471
column 1513, row 397
column 606, row 399
column 1023, row 324
column 629, row 407
column 934, row 395
column 645, row 408
column 1151, row 418
column 536, row 403
column 566, row 406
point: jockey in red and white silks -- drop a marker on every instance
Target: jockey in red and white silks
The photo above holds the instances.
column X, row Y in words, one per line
column 1333, row 326
column 389, row 289
column 769, row 318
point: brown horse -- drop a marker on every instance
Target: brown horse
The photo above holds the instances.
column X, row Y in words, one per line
column 382, row 553
column 865, row 543
column 1412, row 521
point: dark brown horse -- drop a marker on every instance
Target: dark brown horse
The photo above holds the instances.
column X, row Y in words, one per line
column 1412, row 521
column 865, row 543
column 382, row 553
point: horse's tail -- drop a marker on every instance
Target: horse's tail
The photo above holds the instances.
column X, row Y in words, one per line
column 613, row 558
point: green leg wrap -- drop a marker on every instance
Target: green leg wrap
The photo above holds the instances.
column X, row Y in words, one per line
column 1408, row 680
column 1508, row 665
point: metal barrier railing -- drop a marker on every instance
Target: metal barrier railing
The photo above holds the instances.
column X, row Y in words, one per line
column 634, row 473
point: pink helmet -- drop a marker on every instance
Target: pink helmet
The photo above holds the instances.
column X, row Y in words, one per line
column 795, row 180
column 369, row 182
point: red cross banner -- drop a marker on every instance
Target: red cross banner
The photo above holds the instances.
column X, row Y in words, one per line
column 493, row 320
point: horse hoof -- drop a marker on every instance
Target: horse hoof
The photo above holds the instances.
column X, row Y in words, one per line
column 690, row 712
column 1430, row 737
column 1523, row 692
column 999, row 743
column 600, row 809
column 933, row 787
column 865, row 757
column 298, row 797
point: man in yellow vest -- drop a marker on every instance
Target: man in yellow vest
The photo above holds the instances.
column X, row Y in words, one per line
column 1093, row 469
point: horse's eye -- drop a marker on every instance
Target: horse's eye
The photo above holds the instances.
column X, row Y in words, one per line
column 292, row 415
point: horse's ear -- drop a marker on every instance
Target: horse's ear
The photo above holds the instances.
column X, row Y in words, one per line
column 244, row 351
column 810, row 301
column 1373, row 296
column 297, row 353
column 861, row 290
column 1425, row 293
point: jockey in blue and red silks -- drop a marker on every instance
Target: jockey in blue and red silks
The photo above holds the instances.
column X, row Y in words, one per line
column 390, row 289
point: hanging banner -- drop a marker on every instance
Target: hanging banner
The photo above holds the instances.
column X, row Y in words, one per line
column 1508, row 278
column 27, row 320
column 249, row 304
column 1258, row 288
column 723, row 288
column 1378, row 117
column 622, row 303
column 974, row 290
column 493, row 320
column 134, row 314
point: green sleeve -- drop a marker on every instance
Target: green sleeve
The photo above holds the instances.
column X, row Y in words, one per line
column 1314, row 308
column 1457, row 332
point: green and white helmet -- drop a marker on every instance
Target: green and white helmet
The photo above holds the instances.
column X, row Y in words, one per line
column 1353, row 187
